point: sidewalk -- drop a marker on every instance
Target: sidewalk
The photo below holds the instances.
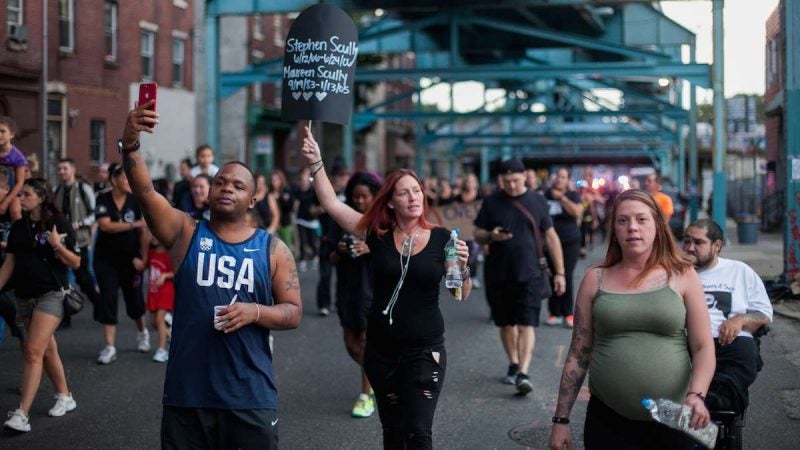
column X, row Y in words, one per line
column 766, row 258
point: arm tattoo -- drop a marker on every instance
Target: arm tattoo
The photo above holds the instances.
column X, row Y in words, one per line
column 286, row 315
column 576, row 367
column 293, row 283
column 273, row 244
column 128, row 163
column 148, row 188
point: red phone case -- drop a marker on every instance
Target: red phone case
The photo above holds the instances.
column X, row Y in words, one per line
column 147, row 92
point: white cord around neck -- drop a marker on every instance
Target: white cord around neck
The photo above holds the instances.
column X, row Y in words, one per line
column 405, row 251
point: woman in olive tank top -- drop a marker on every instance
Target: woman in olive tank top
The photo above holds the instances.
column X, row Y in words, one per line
column 641, row 330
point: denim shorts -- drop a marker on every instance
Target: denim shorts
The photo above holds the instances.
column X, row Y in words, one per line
column 51, row 302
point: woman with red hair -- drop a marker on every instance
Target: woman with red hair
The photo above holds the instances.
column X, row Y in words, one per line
column 405, row 357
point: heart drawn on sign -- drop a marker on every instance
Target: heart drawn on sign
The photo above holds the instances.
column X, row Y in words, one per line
column 307, row 95
column 320, row 95
column 297, row 95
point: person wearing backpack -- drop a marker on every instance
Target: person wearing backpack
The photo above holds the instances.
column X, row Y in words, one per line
column 75, row 201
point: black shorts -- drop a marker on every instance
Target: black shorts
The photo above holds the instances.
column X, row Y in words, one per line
column 113, row 275
column 514, row 303
column 209, row 428
column 353, row 308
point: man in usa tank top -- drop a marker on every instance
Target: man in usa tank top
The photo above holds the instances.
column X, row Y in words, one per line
column 220, row 389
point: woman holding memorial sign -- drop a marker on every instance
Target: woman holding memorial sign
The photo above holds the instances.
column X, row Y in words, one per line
column 404, row 358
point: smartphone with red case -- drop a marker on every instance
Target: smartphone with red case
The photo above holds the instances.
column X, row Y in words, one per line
column 147, row 92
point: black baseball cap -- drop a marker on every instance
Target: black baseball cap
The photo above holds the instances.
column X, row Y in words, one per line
column 513, row 165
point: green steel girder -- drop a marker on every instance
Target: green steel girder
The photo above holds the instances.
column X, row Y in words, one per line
column 599, row 135
column 424, row 115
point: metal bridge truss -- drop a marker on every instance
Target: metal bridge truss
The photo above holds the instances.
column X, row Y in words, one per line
column 579, row 82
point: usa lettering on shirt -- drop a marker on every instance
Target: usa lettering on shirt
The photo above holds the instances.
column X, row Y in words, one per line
column 225, row 272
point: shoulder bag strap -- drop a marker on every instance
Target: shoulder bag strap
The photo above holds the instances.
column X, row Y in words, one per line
column 536, row 233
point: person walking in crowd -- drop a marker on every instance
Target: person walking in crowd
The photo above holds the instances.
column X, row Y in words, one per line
column 404, row 356
column 279, row 190
column 446, row 195
column 13, row 162
column 160, row 295
column 8, row 307
column 76, row 202
column 222, row 264
column 204, row 155
column 103, row 182
column 266, row 205
column 351, row 257
column 120, row 257
column 182, row 191
column 469, row 195
column 41, row 247
column 507, row 222
column 589, row 221
column 641, row 330
column 340, row 177
column 738, row 305
column 307, row 223
column 200, row 208
column 652, row 184
column 566, row 209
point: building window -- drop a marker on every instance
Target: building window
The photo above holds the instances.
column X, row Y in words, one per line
column 148, row 50
column 110, row 29
column 178, row 46
column 14, row 16
column 56, row 133
column 66, row 31
column 97, row 140
column 258, row 28
column 277, row 27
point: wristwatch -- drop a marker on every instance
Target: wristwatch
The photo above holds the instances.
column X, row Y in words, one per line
column 125, row 150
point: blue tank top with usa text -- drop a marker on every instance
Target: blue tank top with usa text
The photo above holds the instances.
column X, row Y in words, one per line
column 208, row 368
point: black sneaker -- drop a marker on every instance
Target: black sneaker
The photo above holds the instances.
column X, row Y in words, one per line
column 524, row 386
column 511, row 376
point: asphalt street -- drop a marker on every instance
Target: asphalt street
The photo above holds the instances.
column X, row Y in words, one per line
column 119, row 405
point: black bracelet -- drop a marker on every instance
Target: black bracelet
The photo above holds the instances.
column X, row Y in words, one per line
column 561, row 420
column 699, row 394
column 314, row 173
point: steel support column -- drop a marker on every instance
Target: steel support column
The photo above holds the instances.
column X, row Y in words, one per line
column 693, row 162
column 212, row 81
column 791, row 117
column 720, row 141
column 347, row 146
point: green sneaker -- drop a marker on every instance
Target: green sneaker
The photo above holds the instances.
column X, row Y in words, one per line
column 364, row 407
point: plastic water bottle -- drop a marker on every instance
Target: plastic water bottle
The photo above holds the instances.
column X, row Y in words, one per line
column 678, row 416
column 452, row 279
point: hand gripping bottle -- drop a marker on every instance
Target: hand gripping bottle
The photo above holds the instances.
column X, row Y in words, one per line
column 678, row 416
column 452, row 278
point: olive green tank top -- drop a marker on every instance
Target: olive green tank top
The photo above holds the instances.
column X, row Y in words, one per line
column 639, row 349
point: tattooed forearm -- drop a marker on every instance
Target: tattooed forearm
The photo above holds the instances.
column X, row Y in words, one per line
column 571, row 382
column 288, row 316
column 128, row 163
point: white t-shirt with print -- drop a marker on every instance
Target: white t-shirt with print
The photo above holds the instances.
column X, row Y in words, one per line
column 732, row 288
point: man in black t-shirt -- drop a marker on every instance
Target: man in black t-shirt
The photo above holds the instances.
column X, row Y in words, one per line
column 512, row 274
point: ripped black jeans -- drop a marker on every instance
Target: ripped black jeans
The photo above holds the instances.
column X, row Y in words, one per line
column 407, row 384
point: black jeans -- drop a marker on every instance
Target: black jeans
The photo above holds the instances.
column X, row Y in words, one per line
column 562, row 305
column 735, row 372
column 604, row 429
column 308, row 242
column 407, row 384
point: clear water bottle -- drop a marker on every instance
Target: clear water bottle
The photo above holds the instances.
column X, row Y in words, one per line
column 452, row 279
column 678, row 416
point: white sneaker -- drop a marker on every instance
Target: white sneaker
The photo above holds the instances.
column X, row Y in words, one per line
column 107, row 354
column 64, row 404
column 161, row 355
column 18, row 421
column 143, row 341
column 554, row 321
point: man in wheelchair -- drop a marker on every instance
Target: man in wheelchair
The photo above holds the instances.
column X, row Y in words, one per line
column 739, row 309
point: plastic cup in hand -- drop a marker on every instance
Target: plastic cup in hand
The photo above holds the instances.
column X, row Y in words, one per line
column 218, row 309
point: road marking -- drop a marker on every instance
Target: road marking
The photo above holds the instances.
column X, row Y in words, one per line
column 559, row 355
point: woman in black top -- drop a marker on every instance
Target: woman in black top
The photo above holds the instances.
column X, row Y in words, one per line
column 266, row 205
column 350, row 255
column 120, row 257
column 405, row 357
column 41, row 246
column 566, row 208
column 199, row 208
column 279, row 190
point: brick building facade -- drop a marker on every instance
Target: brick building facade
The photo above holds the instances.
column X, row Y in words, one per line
column 98, row 53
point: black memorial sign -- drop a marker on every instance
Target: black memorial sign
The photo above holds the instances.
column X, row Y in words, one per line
column 319, row 65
